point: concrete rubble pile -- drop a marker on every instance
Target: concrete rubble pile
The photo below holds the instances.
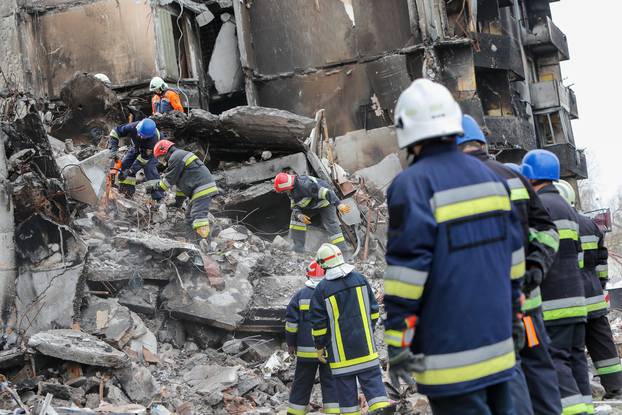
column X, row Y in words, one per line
column 115, row 312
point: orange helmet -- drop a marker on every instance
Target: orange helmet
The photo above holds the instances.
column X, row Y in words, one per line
column 162, row 147
column 284, row 182
column 314, row 270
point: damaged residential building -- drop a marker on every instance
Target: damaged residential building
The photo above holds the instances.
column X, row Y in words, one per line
column 500, row 58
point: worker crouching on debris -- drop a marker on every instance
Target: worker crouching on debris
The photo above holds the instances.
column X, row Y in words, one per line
column 193, row 180
column 300, row 343
column 535, row 375
column 164, row 99
column 453, row 250
column 344, row 312
column 311, row 197
column 143, row 136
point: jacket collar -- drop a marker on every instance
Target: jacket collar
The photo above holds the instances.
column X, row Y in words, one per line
column 549, row 188
column 436, row 147
column 339, row 271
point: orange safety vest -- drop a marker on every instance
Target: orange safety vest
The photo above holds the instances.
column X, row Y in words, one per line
column 167, row 102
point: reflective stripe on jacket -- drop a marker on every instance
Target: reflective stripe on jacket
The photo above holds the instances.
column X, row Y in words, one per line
column 563, row 294
column 343, row 316
column 188, row 173
column 592, row 242
column 453, row 237
column 311, row 193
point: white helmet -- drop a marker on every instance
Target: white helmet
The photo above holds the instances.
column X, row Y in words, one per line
column 104, row 78
column 157, row 83
column 566, row 191
column 426, row 110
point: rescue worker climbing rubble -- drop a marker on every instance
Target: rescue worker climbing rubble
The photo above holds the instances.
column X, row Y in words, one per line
column 164, row 99
column 309, row 197
column 300, row 344
column 193, row 180
column 598, row 336
column 344, row 313
column 143, row 136
column 454, row 247
column 535, row 372
column 563, row 294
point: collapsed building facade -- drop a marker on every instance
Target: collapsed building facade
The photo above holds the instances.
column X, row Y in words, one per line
column 500, row 58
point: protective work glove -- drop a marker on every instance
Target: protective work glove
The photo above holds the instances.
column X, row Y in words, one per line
column 402, row 363
column 304, row 218
column 533, row 278
column 518, row 332
column 112, row 159
column 151, row 187
column 343, row 208
column 322, row 355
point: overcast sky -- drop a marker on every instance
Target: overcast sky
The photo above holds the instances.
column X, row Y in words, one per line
column 594, row 71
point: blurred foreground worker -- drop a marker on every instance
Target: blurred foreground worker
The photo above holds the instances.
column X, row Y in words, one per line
column 311, row 197
column 143, row 136
column 300, row 343
column 193, row 180
column 104, row 78
column 344, row 312
column 454, row 247
column 598, row 336
column 563, row 294
column 536, row 376
column 164, row 99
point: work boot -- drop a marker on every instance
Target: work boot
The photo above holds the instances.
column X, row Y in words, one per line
column 387, row 410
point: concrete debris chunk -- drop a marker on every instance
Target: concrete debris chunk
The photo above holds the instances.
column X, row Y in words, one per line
column 207, row 379
column 266, row 170
column 138, row 383
column 77, row 346
column 380, row 175
column 236, row 233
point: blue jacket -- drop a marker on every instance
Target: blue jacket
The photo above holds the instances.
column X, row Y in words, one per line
column 344, row 312
column 594, row 254
column 298, row 324
column 311, row 193
column 144, row 147
column 454, row 248
column 563, row 293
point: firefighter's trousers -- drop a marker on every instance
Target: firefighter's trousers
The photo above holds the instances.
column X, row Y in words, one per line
column 304, row 378
column 131, row 164
column 372, row 386
column 492, row 400
column 330, row 221
column 604, row 354
column 197, row 213
column 520, row 391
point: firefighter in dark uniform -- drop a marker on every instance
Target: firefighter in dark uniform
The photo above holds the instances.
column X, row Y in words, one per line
column 541, row 243
column 300, row 343
column 563, row 293
column 598, row 336
column 193, row 180
column 455, row 260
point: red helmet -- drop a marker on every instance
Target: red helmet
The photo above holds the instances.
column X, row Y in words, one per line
column 314, row 270
column 284, row 182
column 162, row 147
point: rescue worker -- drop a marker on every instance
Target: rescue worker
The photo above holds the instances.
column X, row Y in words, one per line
column 300, row 343
column 344, row 312
column 454, row 246
column 193, row 180
column 104, row 78
column 541, row 242
column 563, row 295
column 309, row 197
column 598, row 336
column 143, row 136
column 164, row 99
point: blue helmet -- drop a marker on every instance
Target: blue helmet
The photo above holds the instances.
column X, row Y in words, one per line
column 146, row 128
column 526, row 171
column 472, row 131
column 514, row 167
column 544, row 165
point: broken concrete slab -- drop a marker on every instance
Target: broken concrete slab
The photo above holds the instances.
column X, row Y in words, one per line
column 207, row 379
column 260, row 172
column 271, row 297
column 141, row 300
column 156, row 243
column 363, row 148
column 234, row 233
column 138, row 383
column 77, row 346
column 380, row 176
column 59, row 391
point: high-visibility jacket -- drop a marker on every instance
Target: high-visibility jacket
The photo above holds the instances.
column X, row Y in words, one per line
column 311, row 193
column 563, row 295
column 541, row 240
column 344, row 312
column 298, row 324
column 144, row 146
column 592, row 244
column 454, row 246
column 167, row 102
column 188, row 174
